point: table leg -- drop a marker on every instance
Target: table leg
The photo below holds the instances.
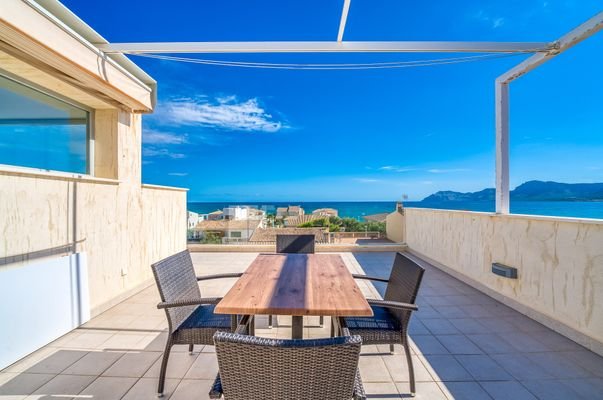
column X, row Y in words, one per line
column 297, row 327
column 252, row 326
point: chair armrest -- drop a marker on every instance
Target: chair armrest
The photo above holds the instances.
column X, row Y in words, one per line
column 370, row 278
column 219, row 276
column 216, row 389
column 189, row 302
column 393, row 304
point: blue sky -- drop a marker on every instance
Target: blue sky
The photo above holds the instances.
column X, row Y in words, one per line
column 239, row 134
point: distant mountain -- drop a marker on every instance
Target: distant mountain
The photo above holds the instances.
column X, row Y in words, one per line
column 532, row 190
column 448, row 195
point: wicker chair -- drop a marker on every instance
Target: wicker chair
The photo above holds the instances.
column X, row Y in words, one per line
column 259, row 368
column 389, row 324
column 191, row 319
column 295, row 244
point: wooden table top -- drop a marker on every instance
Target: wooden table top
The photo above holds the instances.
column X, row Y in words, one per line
column 296, row 284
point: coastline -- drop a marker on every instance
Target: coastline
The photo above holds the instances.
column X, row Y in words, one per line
column 359, row 209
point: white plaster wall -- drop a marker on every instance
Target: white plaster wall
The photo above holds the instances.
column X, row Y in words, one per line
column 394, row 227
column 559, row 262
column 120, row 224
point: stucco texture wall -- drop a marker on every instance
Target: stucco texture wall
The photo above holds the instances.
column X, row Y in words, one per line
column 122, row 225
column 559, row 262
column 394, row 227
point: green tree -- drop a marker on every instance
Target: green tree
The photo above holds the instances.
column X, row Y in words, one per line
column 211, row 238
column 352, row 225
column 375, row 226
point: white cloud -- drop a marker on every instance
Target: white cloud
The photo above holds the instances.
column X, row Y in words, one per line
column 497, row 22
column 153, row 152
column 494, row 22
column 152, row 136
column 178, row 173
column 366, row 180
column 395, row 168
column 225, row 112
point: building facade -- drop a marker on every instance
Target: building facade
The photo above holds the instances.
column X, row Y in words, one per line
column 80, row 228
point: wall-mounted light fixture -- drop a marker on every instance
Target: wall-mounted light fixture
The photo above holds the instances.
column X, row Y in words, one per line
column 504, row 270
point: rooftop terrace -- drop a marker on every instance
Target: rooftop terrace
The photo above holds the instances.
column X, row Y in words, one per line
column 466, row 345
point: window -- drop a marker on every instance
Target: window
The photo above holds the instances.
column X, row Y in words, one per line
column 41, row 131
column 235, row 234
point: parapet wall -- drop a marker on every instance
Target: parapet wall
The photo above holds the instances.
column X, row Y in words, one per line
column 559, row 262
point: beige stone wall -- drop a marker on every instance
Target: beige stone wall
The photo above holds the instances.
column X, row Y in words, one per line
column 394, row 227
column 559, row 262
column 122, row 225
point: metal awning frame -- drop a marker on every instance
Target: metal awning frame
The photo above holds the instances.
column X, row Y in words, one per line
column 543, row 52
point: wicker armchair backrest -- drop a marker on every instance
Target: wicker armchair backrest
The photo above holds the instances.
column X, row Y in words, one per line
column 295, row 244
column 259, row 368
column 176, row 280
column 403, row 286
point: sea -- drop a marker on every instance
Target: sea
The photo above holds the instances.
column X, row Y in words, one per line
column 358, row 209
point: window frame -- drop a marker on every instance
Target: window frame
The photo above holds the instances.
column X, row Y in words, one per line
column 89, row 170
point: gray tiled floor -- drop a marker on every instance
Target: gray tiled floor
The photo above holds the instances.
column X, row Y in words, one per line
column 465, row 346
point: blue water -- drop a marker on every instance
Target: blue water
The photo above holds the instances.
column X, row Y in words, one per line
column 358, row 209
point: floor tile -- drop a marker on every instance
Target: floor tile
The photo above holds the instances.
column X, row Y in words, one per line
column 425, row 391
column 146, row 388
column 520, row 366
column 108, row 388
column 492, row 344
column 483, row 368
column 178, row 365
column 440, row 326
column 464, row 391
column 126, row 341
column 458, row 344
column 550, row 389
column 428, row 344
column 88, row 339
column 204, row 367
column 398, row 368
column 192, row 389
column 507, row 391
column 64, row 385
column 468, row 325
column 57, row 361
column 22, row 384
column 416, row 327
column 452, row 312
column 559, row 365
column 372, row 369
column 93, row 363
column 588, row 388
column 32, row 359
column 526, row 342
column 445, row 368
column 498, row 325
column 381, row 390
column 588, row 360
column 133, row 365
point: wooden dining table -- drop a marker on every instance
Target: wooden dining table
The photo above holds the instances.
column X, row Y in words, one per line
column 298, row 285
